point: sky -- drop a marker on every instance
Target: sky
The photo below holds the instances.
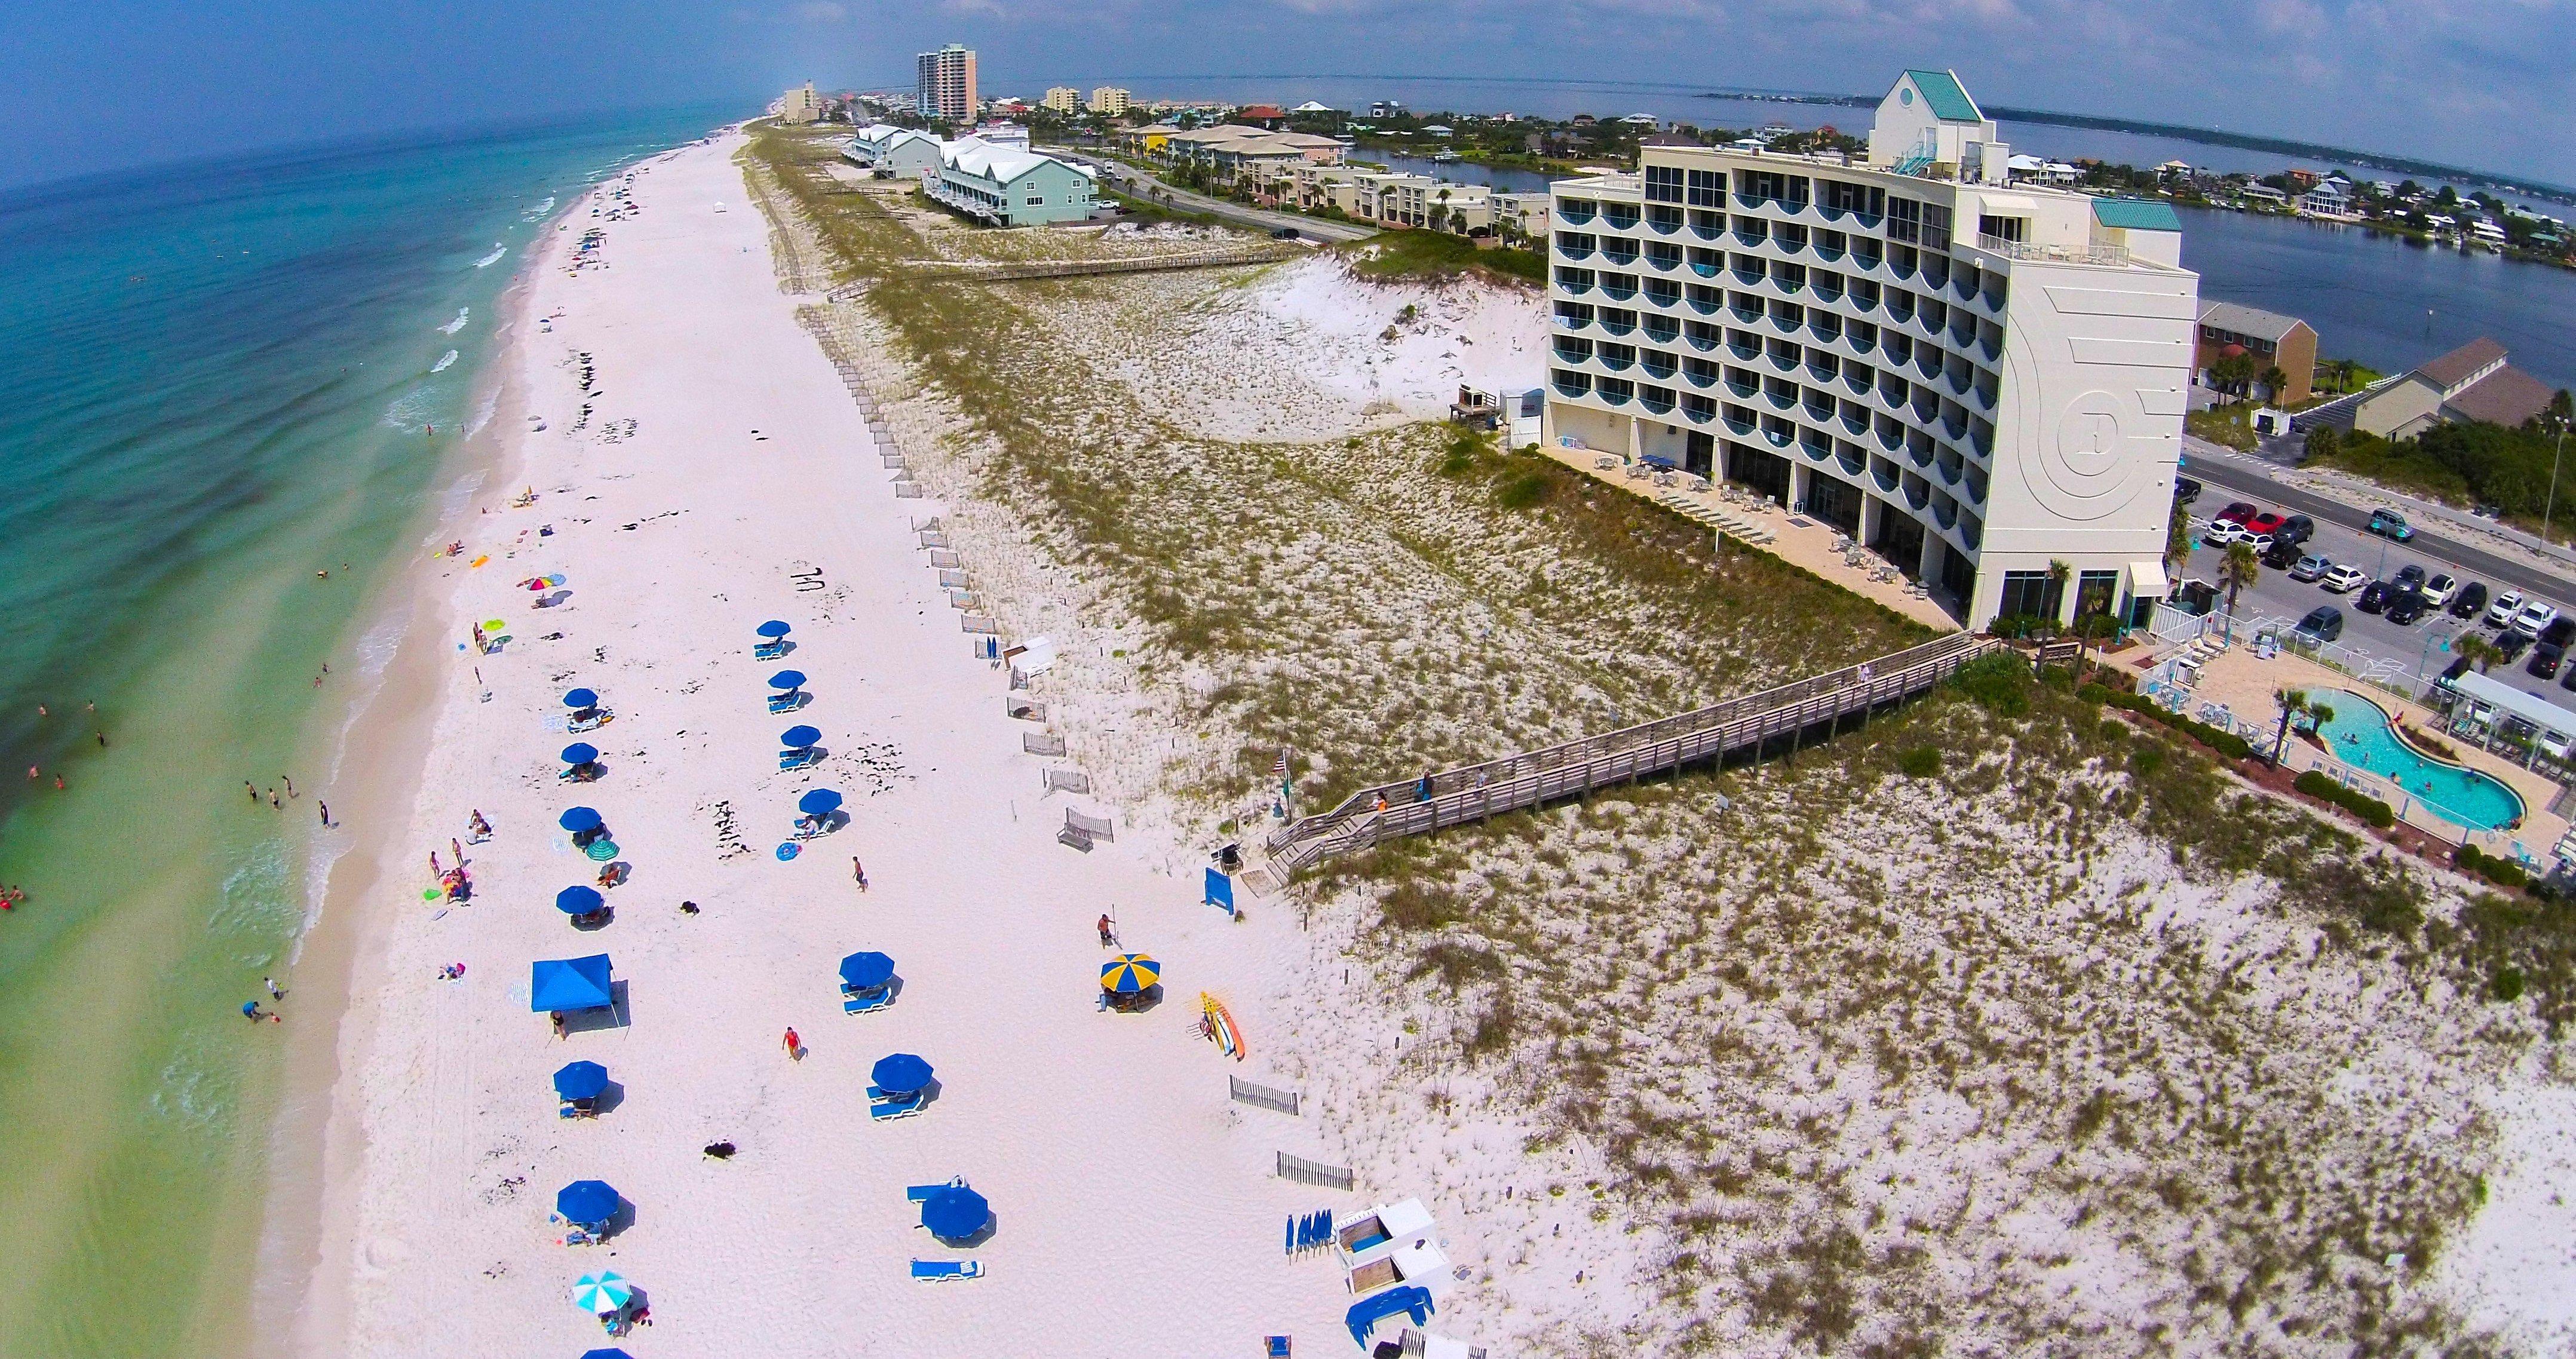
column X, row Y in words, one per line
column 95, row 85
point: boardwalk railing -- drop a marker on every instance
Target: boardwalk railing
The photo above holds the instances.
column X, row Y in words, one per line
column 1533, row 777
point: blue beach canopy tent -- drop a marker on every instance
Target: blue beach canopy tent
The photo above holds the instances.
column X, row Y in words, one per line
column 587, row 1203
column 580, row 901
column 569, row 984
column 581, row 1080
column 954, row 1212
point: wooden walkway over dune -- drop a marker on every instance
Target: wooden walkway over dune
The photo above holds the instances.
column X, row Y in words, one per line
column 1574, row 768
column 1000, row 270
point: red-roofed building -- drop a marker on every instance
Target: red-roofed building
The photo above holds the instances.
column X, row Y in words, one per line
column 1261, row 115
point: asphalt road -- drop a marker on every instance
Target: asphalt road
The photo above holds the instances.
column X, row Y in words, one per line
column 2229, row 476
column 2383, row 649
column 1136, row 183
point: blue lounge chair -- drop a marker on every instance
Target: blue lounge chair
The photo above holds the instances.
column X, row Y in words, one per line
column 918, row 1192
column 770, row 651
column 786, row 702
column 862, row 1002
column 798, row 759
column 1275, row 1347
column 938, row 1271
column 883, row 1106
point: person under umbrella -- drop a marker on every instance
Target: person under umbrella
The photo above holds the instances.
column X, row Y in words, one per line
column 583, row 759
column 953, row 1212
column 816, row 809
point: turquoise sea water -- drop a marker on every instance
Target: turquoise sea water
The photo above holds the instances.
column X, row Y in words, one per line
column 217, row 381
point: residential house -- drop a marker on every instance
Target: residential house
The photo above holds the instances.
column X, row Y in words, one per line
column 2270, row 339
column 2264, row 194
column 894, row 152
column 2474, row 382
column 1261, row 115
column 1007, row 186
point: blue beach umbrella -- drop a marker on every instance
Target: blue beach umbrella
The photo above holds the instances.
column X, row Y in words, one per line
column 602, row 1293
column 579, row 820
column 954, row 1212
column 581, row 1080
column 787, row 681
column 581, row 698
column 587, row 1202
column 867, row 971
column 900, row 1074
column 579, row 900
column 606, row 1354
column 773, row 629
column 818, row 802
column 580, row 752
column 800, row 738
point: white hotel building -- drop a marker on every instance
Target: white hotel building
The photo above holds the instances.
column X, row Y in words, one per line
column 1974, row 379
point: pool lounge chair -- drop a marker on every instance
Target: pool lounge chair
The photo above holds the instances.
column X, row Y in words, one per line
column 939, row 1271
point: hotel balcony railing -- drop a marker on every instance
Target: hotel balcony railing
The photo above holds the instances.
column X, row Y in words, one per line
column 1786, row 362
column 1747, row 390
column 1575, row 285
column 1568, row 246
column 1664, row 257
column 1890, row 436
column 1706, row 301
column 1918, row 493
column 1616, row 358
column 1706, row 268
column 1663, row 292
column 1615, row 251
column 1822, row 412
column 1785, row 323
column 1618, row 320
column 1972, row 531
column 1616, row 391
column 1699, row 409
column 1707, row 226
column 1663, row 221
column 1572, row 384
column 1746, row 352
column 1828, row 253
column 1662, row 329
column 1945, row 511
column 1817, row 447
column 1573, row 351
column 1619, row 217
column 1956, row 426
column 1748, row 277
column 1701, row 337
column 1863, row 220
column 1853, row 461
column 1657, row 363
column 2055, row 254
column 1981, row 437
column 1656, row 399
column 1976, row 486
column 1822, row 374
column 1737, row 424
column 1855, row 421
column 1575, row 211
column 1573, row 315
column 1618, row 287
column 1780, row 399
column 1950, row 466
column 1700, row 373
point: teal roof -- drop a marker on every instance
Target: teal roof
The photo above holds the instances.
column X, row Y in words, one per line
column 1947, row 99
column 2136, row 214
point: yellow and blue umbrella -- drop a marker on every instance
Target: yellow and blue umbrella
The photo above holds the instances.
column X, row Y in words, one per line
column 602, row 1293
column 1132, row 974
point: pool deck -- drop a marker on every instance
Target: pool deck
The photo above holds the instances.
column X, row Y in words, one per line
column 2246, row 685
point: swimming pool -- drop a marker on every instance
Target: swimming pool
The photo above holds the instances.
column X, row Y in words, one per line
column 2359, row 736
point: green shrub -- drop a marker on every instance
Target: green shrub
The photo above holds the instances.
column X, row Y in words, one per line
column 1999, row 681
column 2093, row 693
column 2368, row 808
column 1922, row 762
column 2506, row 985
column 1521, row 490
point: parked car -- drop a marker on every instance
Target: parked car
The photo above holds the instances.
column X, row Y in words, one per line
column 2186, row 490
column 2408, row 606
column 2410, row 576
column 2238, row 511
column 2509, row 646
column 2324, row 623
column 2459, row 667
column 2340, row 579
column 2298, row 528
column 2534, row 617
column 2545, row 657
column 2310, row 567
column 2223, row 533
column 2389, row 524
column 2441, row 589
column 2374, row 597
column 2281, row 556
column 2473, row 597
column 2567, row 677
column 2561, row 630
column 2260, row 542
column 1283, row 233
column 2269, row 521
column 2506, row 605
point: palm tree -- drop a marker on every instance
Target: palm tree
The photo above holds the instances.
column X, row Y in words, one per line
column 2178, row 537
column 2059, row 572
column 2272, row 380
column 2296, row 704
column 2477, row 650
column 2238, row 569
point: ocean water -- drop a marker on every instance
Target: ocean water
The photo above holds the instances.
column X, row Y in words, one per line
column 227, row 395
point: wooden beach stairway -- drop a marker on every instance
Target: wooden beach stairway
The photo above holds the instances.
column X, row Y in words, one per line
column 1573, row 768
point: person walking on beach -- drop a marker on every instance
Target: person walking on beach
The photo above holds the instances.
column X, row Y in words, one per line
column 275, row 992
column 248, row 787
column 273, row 800
column 290, row 785
column 858, row 873
column 795, row 1045
column 1108, row 934
column 326, row 810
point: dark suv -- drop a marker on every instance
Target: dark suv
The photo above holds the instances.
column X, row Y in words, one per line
column 2472, row 600
column 2324, row 623
column 2408, row 606
column 2296, row 529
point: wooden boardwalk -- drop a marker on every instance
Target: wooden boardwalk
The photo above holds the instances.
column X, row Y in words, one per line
column 995, row 271
column 1574, row 768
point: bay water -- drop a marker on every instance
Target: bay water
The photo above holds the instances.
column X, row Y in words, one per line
column 228, row 395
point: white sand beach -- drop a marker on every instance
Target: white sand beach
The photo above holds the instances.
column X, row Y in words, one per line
column 713, row 472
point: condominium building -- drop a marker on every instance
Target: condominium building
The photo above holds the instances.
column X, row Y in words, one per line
column 893, row 152
column 1109, row 100
column 1979, row 382
column 1009, row 186
column 946, row 91
column 1062, row 99
column 801, row 105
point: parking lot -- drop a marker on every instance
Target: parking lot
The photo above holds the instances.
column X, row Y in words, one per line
column 2379, row 649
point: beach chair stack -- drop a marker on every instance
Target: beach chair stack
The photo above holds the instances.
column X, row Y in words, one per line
column 1740, row 529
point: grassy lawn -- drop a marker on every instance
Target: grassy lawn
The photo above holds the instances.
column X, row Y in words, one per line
column 1437, row 255
column 2228, row 426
